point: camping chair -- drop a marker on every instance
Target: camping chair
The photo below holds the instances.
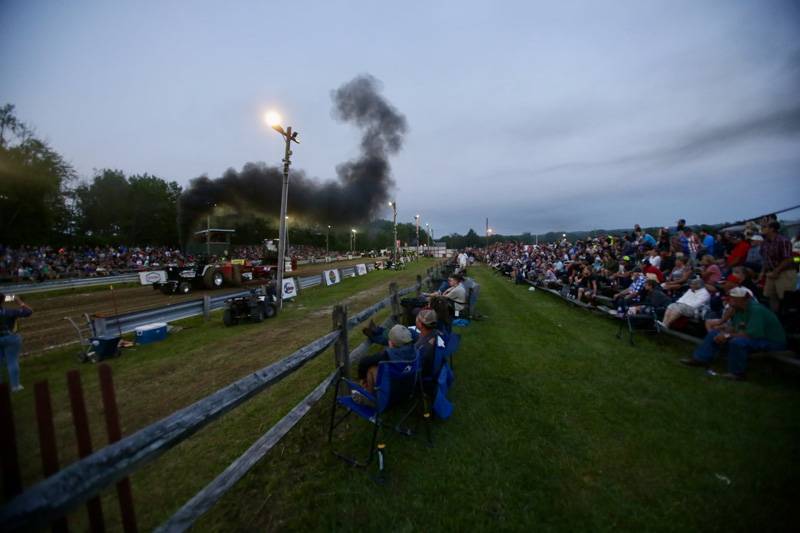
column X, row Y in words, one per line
column 396, row 382
column 645, row 322
column 85, row 330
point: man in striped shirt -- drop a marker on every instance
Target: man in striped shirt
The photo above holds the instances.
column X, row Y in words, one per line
column 779, row 274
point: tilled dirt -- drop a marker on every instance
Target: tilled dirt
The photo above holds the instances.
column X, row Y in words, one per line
column 47, row 328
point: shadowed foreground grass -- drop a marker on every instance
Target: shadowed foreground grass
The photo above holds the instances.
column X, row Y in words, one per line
column 558, row 426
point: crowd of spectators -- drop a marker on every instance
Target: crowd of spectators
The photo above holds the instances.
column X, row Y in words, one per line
column 43, row 263
column 683, row 276
column 693, row 270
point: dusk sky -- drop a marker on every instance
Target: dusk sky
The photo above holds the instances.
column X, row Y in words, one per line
column 539, row 115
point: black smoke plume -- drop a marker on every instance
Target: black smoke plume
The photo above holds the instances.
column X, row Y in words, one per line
column 362, row 186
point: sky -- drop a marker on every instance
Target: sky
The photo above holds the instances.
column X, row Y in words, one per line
column 538, row 115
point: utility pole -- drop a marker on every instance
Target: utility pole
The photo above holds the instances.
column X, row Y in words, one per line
column 288, row 136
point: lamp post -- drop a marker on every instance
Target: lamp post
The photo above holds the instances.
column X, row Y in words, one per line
column 428, row 233
column 327, row 240
column 289, row 136
column 393, row 205
column 353, row 233
column 416, row 219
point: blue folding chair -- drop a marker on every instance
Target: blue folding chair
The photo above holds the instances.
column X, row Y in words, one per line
column 396, row 382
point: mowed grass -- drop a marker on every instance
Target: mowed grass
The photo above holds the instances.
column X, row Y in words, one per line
column 155, row 380
column 558, row 426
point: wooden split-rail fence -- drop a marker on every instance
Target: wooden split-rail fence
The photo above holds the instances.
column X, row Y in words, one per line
column 48, row 502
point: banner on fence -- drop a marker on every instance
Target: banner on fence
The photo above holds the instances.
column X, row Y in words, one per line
column 289, row 289
column 361, row 269
column 331, row 277
column 156, row 276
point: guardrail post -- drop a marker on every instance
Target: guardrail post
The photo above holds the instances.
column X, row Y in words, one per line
column 397, row 311
column 341, row 348
column 206, row 307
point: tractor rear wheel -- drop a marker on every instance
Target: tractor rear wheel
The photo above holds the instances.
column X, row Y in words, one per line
column 184, row 287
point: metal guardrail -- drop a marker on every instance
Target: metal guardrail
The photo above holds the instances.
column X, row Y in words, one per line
column 59, row 284
column 128, row 322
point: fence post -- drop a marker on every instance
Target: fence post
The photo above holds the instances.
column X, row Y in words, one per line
column 397, row 311
column 9, row 460
column 419, row 286
column 341, row 348
column 124, row 494
column 81, row 421
column 47, row 439
column 206, row 307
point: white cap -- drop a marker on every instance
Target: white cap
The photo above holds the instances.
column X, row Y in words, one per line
column 738, row 292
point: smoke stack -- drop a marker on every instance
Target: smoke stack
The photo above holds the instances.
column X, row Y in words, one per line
column 357, row 194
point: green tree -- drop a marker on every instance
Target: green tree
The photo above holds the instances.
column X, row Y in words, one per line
column 34, row 180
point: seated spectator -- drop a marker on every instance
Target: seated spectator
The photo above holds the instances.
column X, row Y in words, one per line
column 689, row 304
column 753, row 328
column 400, row 349
column 679, row 275
column 711, row 273
column 654, row 300
column 588, row 287
column 632, row 294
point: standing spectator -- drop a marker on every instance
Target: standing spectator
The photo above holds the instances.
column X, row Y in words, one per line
column 738, row 253
column 10, row 342
column 779, row 274
column 753, row 260
column 707, row 241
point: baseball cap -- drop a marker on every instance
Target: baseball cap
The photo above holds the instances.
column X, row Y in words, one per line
column 399, row 335
column 756, row 238
column 428, row 317
column 738, row 292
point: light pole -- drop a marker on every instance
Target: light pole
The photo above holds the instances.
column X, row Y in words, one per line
column 417, row 222
column 327, row 240
column 353, row 233
column 393, row 205
column 428, row 234
column 273, row 119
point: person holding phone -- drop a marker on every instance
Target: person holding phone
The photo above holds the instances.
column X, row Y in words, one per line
column 10, row 342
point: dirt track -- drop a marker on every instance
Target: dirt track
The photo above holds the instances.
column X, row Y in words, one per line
column 47, row 327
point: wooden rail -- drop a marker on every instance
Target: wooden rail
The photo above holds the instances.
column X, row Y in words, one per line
column 82, row 481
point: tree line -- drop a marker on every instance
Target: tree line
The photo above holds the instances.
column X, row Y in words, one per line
column 43, row 201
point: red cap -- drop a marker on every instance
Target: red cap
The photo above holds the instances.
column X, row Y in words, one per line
column 733, row 278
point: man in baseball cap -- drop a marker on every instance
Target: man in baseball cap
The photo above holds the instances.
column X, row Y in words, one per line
column 400, row 348
column 754, row 328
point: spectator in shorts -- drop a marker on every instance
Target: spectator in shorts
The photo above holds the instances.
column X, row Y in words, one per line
column 689, row 304
column 779, row 274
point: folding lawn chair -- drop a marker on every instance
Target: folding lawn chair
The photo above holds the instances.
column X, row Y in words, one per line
column 644, row 322
column 396, row 382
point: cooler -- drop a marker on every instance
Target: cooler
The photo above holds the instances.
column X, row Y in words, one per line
column 105, row 346
column 151, row 333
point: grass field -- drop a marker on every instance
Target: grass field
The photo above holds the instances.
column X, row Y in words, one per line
column 558, row 426
column 155, row 380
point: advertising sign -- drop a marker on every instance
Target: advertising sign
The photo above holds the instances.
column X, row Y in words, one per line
column 331, row 277
column 289, row 289
column 361, row 269
column 155, row 276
